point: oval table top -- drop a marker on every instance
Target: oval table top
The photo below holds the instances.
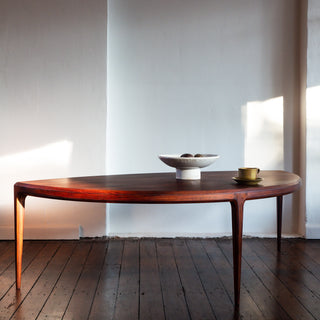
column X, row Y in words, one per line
column 214, row 186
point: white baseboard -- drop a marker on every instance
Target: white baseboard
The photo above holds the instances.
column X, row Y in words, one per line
column 165, row 235
column 195, row 235
column 72, row 232
column 41, row 233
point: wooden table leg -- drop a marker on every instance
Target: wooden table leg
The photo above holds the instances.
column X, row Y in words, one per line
column 279, row 222
column 237, row 224
column 19, row 204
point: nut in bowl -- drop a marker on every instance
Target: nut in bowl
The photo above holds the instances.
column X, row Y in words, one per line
column 188, row 165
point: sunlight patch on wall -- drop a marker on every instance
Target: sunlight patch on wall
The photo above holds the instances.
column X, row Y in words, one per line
column 58, row 153
column 263, row 126
column 313, row 106
column 49, row 161
column 313, row 163
column 313, row 124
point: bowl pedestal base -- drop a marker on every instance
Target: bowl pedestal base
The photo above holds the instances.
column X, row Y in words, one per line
column 188, row 174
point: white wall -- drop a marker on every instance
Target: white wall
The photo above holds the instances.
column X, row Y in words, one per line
column 185, row 76
column 52, row 108
column 313, row 122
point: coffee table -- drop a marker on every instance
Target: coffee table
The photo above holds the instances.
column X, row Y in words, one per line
column 160, row 188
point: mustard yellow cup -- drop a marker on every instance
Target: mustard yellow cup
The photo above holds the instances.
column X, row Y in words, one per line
column 248, row 173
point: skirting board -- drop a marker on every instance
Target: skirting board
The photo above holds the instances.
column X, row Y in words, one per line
column 195, row 235
column 42, row 233
column 71, row 232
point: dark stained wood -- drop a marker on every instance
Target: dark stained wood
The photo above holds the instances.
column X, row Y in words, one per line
column 4, row 246
column 8, row 275
column 78, row 307
column 311, row 256
column 105, row 298
column 36, row 297
column 260, row 294
column 12, row 300
column 67, row 279
column 60, row 296
column 192, row 286
column 279, row 221
column 151, row 302
column 174, row 300
column 6, row 255
column 293, row 274
column 268, row 274
column 247, row 309
column 158, row 188
column 217, row 295
column 127, row 303
column 237, row 223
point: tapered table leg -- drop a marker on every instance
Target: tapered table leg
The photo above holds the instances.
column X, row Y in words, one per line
column 279, row 222
column 237, row 224
column 19, row 204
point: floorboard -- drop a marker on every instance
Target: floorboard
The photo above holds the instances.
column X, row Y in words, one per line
column 127, row 302
column 80, row 304
column 151, row 301
column 40, row 292
column 161, row 279
column 268, row 274
column 223, row 265
column 105, row 298
column 294, row 276
column 57, row 303
column 13, row 300
column 219, row 299
column 172, row 291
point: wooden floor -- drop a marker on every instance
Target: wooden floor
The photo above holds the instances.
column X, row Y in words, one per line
column 160, row 279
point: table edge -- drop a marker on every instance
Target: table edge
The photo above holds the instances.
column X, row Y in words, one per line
column 24, row 189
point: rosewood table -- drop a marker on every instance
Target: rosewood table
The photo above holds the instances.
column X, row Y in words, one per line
column 160, row 188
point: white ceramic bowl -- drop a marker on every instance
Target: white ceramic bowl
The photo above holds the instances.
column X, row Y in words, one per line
column 188, row 168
